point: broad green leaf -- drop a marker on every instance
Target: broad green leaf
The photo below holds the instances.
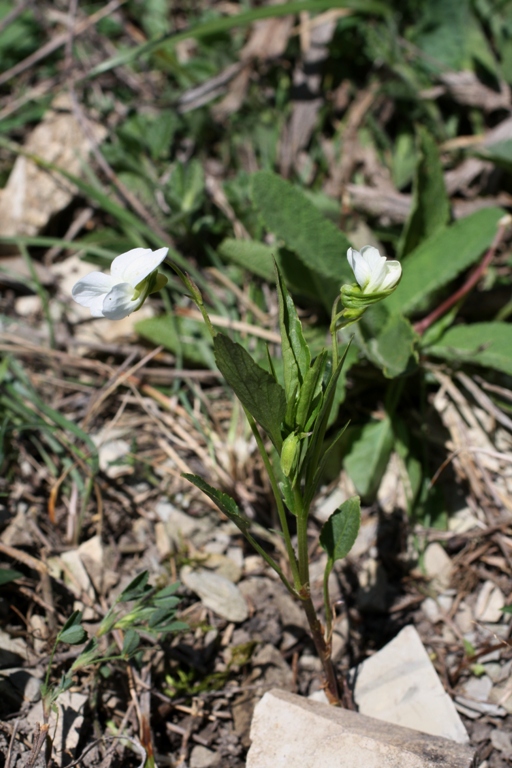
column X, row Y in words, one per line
column 257, row 258
column 288, row 213
column 487, row 344
column 430, row 210
column 393, row 349
column 294, row 349
column 172, row 334
column 225, row 503
column 442, row 257
column 8, row 574
column 73, row 636
column 256, row 389
column 340, row 531
column 369, row 456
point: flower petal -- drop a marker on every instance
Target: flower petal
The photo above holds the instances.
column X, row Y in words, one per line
column 359, row 267
column 393, row 275
column 119, row 302
column 133, row 266
column 91, row 290
column 372, row 256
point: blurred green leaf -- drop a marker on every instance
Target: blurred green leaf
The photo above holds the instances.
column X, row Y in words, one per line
column 486, row 344
column 256, row 389
column 369, row 455
column 393, row 347
column 174, row 335
column 287, row 212
column 430, row 210
column 8, row 574
column 136, row 589
column 442, row 257
column 130, row 643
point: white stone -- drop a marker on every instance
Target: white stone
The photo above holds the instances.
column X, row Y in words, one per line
column 477, row 688
column 400, row 685
column 438, row 566
column 202, row 757
column 217, row 593
column 289, row 731
column 489, row 603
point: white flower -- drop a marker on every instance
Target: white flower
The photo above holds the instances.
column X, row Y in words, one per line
column 373, row 272
column 133, row 276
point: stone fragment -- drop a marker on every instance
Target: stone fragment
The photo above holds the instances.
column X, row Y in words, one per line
column 289, row 730
column 65, row 724
column 202, row 757
column 33, row 194
column 477, row 688
column 223, row 565
column 501, row 695
column 502, row 742
column 400, row 685
column 92, row 555
column 438, row 566
column 217, row 593
column 489, row 603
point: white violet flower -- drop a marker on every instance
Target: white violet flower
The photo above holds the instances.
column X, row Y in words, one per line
column 133, row 276
column 373, row 272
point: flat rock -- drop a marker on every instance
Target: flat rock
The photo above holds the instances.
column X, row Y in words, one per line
column 400, row 685
column 438, row 566
column 217, row 593
column 489, row 603
column 289, row 731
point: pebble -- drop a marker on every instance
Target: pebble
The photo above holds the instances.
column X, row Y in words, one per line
column 502, row 742
column 489, row 603
column 438, row 567
column 477, row 688
column 217, row 593
column 202, row 757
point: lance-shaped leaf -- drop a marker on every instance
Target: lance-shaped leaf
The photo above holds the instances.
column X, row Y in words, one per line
column 310, row 399
column 224, row 502
column 256, row 389
column 295, row 351
column 340, row 530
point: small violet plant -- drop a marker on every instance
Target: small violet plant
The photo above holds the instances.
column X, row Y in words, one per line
column 288, row 416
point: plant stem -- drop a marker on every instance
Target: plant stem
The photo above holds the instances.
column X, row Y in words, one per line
column 279, row 504
column 323, row 647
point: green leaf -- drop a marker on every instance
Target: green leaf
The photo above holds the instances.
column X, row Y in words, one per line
column 487, row 344
column 430, row 210
column 310, row 396
column 369, row 456
column 253, row 256
column 500, row 154
column 294, row 349
column 225, row 503
column 8, row 574
column 393, row 348
column 256, row 389
column 136, row 589
column 174, row 335
column 340, row 531
column 72, row 632
column 130, row 643
column 442, row 257
column 288, row 213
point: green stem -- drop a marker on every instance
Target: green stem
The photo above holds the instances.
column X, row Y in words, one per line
column 279, row 503
column 334, row 333
column 327, row 602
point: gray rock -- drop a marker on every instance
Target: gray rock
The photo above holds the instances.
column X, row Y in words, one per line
column 202, row 757
column 288, row 730
column 217, row 593
column 489, row 603
column 400, row 685
column 438, row 566
column 477, row 688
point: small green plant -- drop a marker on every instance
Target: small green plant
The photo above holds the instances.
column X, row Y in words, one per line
column 293, row 415
column 151, row 612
